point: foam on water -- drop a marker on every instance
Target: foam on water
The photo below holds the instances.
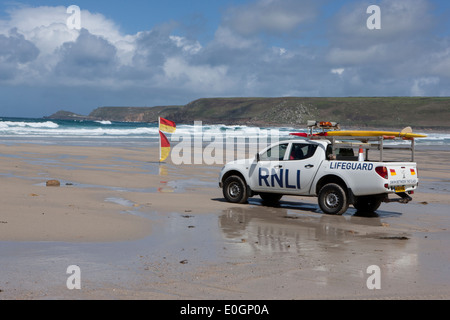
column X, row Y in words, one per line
column 93, row 132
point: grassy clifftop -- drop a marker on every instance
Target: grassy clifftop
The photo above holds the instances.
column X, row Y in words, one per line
column 133, row 114
column 372, row 112
column 419, row 112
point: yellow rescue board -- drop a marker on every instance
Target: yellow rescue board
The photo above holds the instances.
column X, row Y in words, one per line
column 356, row 133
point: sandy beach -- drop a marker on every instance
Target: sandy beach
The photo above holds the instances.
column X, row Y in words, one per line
column 138, row 229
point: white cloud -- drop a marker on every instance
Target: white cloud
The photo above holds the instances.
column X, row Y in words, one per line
column 89, row 57
column 269, row 16
column 386, row 60
column 338, row 71
column 224, row 36
column 16, row 54
column 282, row 52
column 44, row 26
column 191, row 47
column 47, row 28
column 202, row 78
column 441, row 59
column 399, row 18
column 358, row 56
column 422, row 85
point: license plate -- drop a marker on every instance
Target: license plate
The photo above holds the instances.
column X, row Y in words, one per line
column 400, row 189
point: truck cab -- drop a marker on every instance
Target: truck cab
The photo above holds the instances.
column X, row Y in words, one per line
column 288, row 167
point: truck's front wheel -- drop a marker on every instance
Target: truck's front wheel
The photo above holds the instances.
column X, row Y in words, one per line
column 333, row 199
column 235, row 189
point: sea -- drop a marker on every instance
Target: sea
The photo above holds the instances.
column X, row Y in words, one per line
column 110, row 133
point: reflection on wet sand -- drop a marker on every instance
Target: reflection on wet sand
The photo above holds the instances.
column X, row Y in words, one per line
column 331, row 247
column 297, row 221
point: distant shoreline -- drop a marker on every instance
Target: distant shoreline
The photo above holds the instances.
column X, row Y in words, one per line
column 354, row 112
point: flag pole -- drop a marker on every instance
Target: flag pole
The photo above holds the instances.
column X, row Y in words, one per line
column 159, row 136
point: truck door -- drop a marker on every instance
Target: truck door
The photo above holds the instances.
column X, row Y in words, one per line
column 269, row 174
column 300, row 167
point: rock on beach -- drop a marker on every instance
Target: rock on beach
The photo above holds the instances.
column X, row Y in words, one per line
column 52, row 183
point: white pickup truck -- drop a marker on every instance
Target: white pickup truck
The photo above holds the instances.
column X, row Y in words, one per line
column 321, row 168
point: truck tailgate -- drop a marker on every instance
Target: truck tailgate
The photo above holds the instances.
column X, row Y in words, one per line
column 401, row 176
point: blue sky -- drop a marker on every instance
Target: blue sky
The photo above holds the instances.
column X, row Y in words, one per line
column 148, row 53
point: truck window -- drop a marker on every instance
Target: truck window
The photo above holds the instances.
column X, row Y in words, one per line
column 346, row 154
column 329, row 153
column 302, row 151
column 275, row 153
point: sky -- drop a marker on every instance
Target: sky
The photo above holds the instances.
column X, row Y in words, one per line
column 151, row 53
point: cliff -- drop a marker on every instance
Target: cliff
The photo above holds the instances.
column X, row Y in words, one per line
column 419, row 112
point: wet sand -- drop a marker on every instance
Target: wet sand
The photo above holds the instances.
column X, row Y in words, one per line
column 143, row 230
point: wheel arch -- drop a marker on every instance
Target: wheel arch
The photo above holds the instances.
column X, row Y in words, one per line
column 235, row 172
column 331, row 178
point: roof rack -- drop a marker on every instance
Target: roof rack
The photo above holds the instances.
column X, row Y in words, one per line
column 360, row 142
column 367, row 143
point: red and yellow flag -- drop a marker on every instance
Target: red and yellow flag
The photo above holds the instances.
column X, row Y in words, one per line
column 167, row 125
column 164, row 147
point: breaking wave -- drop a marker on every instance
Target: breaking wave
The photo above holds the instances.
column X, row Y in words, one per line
column 45, row 130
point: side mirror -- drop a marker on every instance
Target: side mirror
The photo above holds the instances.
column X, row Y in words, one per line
column 257, row 157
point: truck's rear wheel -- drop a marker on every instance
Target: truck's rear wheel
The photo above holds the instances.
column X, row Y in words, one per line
column 367, row 203
column 333, row 199
column 235, row 189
